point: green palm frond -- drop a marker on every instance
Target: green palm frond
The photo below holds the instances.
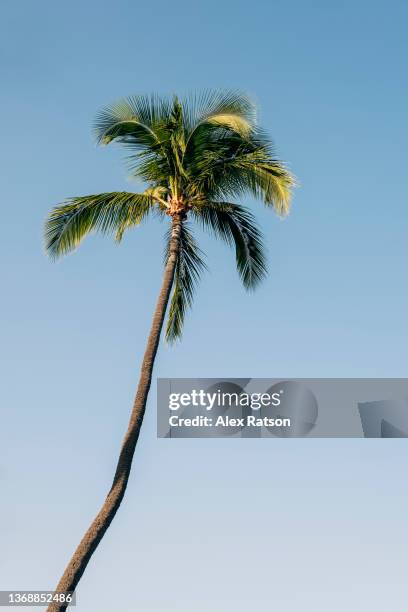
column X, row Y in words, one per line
column 236, row 225
column 265, row 177
column 189, row 266
column 230, row 165
column 137, row 120
column 211, row 116
column 69, row 223
column 217, row 106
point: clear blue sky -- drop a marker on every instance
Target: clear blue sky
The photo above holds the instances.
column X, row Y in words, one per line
column 218, row 525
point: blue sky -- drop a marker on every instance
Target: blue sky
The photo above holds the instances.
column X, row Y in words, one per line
column 223, row 525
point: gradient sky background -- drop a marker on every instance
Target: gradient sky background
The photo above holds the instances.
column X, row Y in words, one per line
column 220, row 525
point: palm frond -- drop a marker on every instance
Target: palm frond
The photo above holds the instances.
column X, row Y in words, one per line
column 136, row 119
column 232, row 122
column 200, row 108
column 213, row 114
column 189, row 266
column 231, row 165
column 269, row 181
column 236, row 226
column 69, row 223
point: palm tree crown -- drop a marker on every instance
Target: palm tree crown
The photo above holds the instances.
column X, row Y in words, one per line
column 195, row 156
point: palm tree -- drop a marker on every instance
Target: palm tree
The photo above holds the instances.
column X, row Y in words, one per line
column 194, row 156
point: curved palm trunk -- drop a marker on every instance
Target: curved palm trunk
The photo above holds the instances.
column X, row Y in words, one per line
column 100, row 524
